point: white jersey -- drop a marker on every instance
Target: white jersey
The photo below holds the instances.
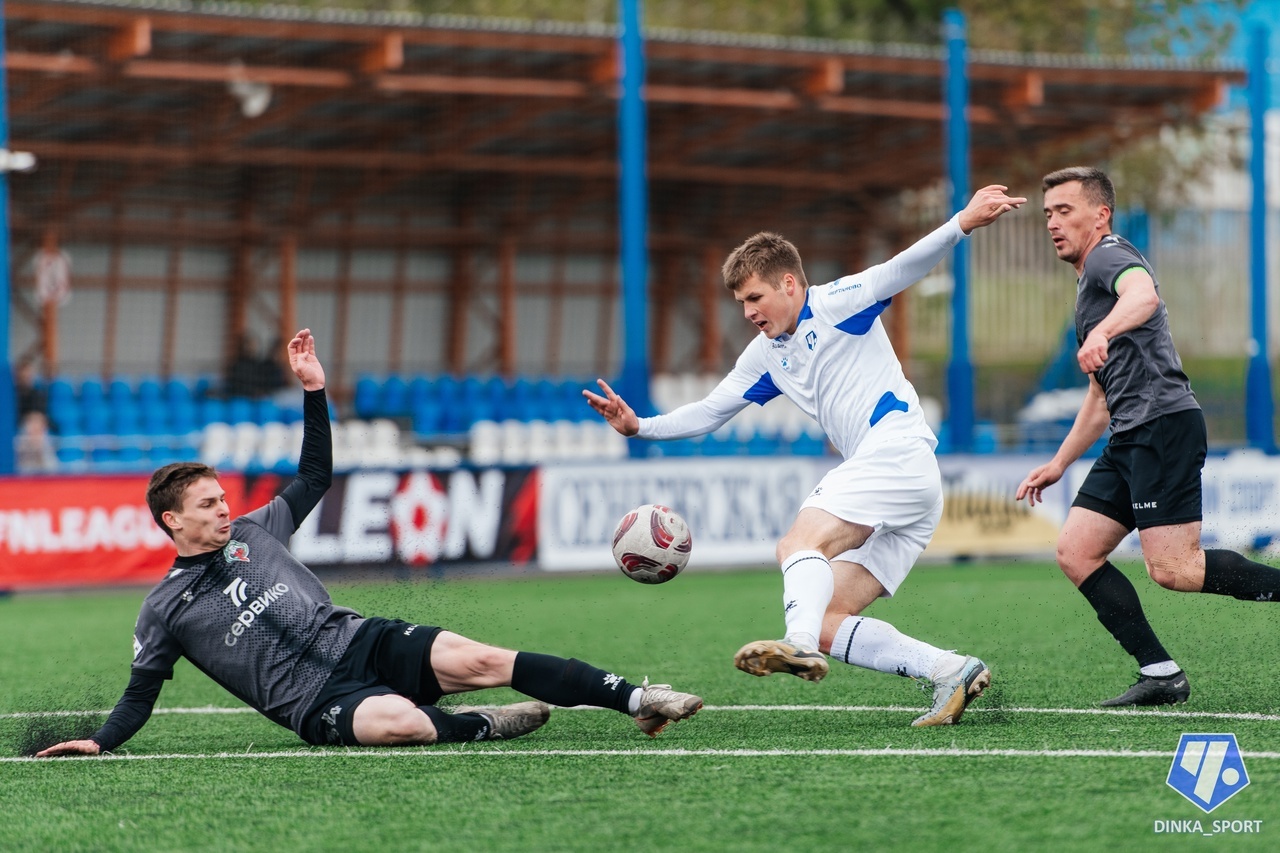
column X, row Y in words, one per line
column 838, row 367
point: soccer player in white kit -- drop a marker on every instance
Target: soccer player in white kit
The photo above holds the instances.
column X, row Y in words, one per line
column 861, row 529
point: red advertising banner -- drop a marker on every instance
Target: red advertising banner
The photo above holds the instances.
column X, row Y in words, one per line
column 72, row 531
column 79, row 531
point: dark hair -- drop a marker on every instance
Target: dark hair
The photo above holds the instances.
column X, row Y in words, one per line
column 767, row 255
column 1097, row 187
column 168, row 486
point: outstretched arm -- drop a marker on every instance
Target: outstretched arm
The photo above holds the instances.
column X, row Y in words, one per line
column 315, row 462
column 613, row 409
column 912, row 264
column 129, row 715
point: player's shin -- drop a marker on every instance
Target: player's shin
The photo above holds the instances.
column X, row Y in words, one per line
column 568, row 682
column 807, row 587
column 872, row 644
column 1229, row 573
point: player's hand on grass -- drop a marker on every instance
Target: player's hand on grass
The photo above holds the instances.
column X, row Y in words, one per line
column 987, row 205
column 71, row 747
column 303, row 361
column 613, row 409
column 1032, row 488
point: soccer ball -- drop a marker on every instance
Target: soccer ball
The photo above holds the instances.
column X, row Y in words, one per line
column 652, row 544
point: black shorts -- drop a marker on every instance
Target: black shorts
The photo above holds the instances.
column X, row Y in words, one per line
column 1149, row 476
column 386, row 657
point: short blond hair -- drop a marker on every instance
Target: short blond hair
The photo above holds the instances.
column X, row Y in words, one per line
column 767, row 255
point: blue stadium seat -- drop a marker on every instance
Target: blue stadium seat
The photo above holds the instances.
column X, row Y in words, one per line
column 447, row 388
column 807, row 445
column 91, row 392
column 395, row 397
column 125, row 418
column 178, row 391
column 367, row 399
column 69, row 454
column 428, row 419
column 421, row 390
column 119, row 392
column 183, row 417
column 61, row 391
column 212, row 410
column 66, row 418
column 155, row 417
column 239, row 410
column 149, row 391
column 97, row 418
column 266, row 411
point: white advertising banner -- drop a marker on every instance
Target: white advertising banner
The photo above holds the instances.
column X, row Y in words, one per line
column 736, row 507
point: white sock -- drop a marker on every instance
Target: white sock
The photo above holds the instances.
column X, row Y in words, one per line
column 633, row 701
column 807, row 587
column 1160, row 670
column 872, row 644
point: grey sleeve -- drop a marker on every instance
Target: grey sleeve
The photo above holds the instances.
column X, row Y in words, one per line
column 1108, row 261
column 155, row 650
column 275, row 517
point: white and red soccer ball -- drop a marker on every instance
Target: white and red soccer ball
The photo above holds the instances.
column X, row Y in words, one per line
column 652, row 544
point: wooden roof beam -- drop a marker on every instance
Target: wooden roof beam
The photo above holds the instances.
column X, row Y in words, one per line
column 387, row 54
column 1028, row 91
column 200, row 72
column 130, row 41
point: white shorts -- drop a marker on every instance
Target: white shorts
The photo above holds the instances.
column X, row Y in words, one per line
column 894, row 488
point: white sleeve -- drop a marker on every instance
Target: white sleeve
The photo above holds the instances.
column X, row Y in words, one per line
column 904, row 269
column 734, row 393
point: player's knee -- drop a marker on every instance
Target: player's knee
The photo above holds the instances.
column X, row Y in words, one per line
column 488, row 665
column 401, row 725
column 1164, row 573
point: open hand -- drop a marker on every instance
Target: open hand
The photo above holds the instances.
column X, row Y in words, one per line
column 303, row 361
column 987, row 205
column 613, row 409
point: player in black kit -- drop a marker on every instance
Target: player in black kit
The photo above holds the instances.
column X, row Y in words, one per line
column 239, row 606
column 1148, row 476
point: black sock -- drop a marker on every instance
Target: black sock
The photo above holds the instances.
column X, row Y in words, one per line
column 558, row 681
column 1229, row 573
column 455, row 728
column 1120, row 612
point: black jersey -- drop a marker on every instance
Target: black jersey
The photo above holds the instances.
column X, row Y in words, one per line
column 1142, row 377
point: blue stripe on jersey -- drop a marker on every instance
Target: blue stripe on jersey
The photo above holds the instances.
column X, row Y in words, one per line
column 806, row 312
column 763, row 391
column 860, row 323
column 888, row 403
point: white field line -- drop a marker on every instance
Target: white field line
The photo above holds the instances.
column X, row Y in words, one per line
column 856, row 709
column 498, row 752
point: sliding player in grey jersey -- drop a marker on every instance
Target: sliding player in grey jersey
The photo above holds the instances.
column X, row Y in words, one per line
column 239, row 606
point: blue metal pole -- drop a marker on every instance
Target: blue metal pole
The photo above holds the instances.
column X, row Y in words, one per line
column 960, row 370
column 1259, row 403
column 8, row 405
column 633, row 215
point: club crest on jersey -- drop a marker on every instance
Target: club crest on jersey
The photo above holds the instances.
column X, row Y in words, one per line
column 238, row 551
column 811, row 338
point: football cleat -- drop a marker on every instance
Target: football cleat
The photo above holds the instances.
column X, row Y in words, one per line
column 510, row 721
column 660, row 705
column 953, row 693
column 765, row 657
column 1154, row 690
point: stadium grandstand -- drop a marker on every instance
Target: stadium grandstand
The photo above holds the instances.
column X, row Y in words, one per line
column 437, row 198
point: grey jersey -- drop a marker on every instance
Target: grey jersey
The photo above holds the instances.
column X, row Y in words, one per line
column 1142, row 377
column 251, row 617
